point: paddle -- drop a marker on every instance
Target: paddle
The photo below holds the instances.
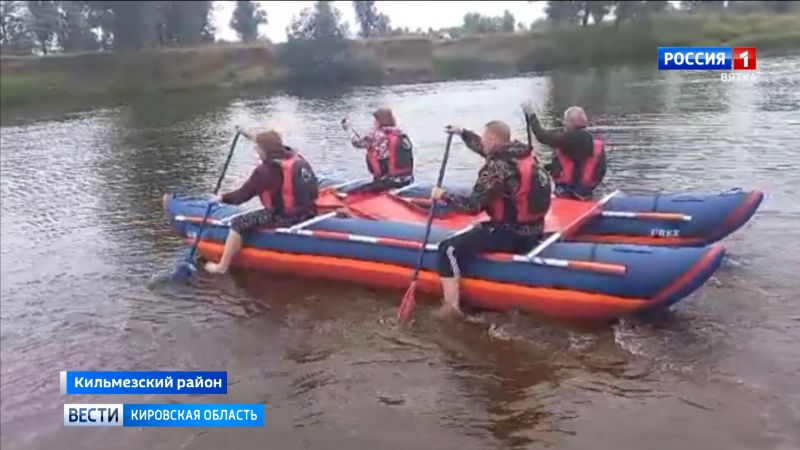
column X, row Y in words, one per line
column 527, row 127
column 530, row 256
column 407, row 305
column 186, row 268
column 346, row 127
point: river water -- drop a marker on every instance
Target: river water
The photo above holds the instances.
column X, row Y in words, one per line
column 83, row 232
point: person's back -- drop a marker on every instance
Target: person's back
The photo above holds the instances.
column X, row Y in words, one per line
column 579, row 165
column 296, row 188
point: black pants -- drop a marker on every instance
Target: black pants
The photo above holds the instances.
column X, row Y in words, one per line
column 267, row 217
column 482, row 238
column 380, row 185
column 573, row 193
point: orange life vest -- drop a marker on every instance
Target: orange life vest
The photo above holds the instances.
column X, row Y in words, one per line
column 401, row 157
column 298, row 189
column 530, row 202
column 591, row 173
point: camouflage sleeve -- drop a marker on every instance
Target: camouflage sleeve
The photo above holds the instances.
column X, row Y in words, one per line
column 360, row 142
column 472, row 141
column 488, row 186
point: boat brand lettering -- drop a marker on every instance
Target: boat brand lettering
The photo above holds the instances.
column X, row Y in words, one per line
column 661, row 232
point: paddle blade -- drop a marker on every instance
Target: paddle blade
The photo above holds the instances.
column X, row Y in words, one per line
column 185, row 270
column 407, row 305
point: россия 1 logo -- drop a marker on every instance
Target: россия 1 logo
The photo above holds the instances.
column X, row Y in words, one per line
column 739, row 62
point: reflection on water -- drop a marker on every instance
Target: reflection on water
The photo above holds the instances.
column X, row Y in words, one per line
column 82, row 233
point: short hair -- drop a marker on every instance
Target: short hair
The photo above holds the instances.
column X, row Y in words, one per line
column 269, row 141
column 385, row 117
column 576, row 116
column 500, row 130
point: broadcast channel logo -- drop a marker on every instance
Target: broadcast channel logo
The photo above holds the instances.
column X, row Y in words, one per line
column 739, row 62
column 154, row 414
column 93, row 415
column 163, row 415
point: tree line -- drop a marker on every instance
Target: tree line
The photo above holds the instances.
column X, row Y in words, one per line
column 44, row 27
column 580, row 12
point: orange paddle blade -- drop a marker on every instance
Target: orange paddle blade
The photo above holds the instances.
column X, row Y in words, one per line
column 407, row 305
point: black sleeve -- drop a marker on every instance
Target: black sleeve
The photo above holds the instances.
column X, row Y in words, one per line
column 552, row 138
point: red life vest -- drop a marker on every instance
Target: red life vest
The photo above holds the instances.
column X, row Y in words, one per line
column 592, row 172
column 401, row 158
column 530, row 202
column 298, row 188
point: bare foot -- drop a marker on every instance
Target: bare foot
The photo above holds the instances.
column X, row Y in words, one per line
column 165, row 200
column 447, row 312
column 215, row 268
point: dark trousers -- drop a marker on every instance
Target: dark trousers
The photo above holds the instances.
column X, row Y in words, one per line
column 482, row 238
column 573, row 193
column 267, row 217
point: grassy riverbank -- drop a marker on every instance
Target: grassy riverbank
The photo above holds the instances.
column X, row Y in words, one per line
column 391, row 60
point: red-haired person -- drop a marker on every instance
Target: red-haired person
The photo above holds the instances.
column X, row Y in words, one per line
column 390, row 157
column 285, row 184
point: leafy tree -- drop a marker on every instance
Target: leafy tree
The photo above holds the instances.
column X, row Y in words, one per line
column 246, row 18
column 383, row 25
column 632, row 11
column 475, row 23
column 508, row 22
column 184, row 22
column 321, row 23
column 317, row 49
column 75, row 33
column 45, row 20
column 372, row 22
column 563, row 12
column 655, row 6
column 14, row 35
column 597, row 10
column 134, row 24
column 102, row 18
column 695, row 5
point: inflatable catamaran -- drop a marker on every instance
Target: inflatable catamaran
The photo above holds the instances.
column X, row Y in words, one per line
column 660, row 219
column 572, row 281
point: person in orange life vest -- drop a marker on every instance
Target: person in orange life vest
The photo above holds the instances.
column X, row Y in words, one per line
column 284, row 182
column 511, row 188
column 579, row 165
column 390, row 157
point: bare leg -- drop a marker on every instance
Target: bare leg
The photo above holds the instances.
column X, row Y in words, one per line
column 450, row 301
column 232, row 246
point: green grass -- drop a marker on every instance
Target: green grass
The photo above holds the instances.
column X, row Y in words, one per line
column 607, row 45
column 17, row 89
column 769, row 43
